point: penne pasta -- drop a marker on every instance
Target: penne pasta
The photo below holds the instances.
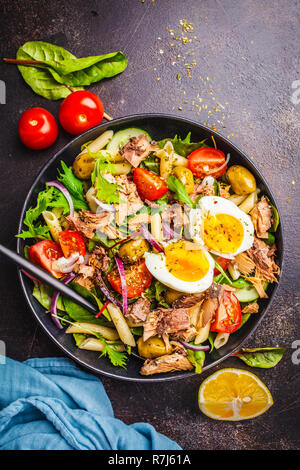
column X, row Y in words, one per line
column 122, row 168
column 99, row 143
column 53, row 223
column 94, row 344
column 121, row 324
column 90, row 328
column 202, row 334
column 156, row 227
column 221, row 339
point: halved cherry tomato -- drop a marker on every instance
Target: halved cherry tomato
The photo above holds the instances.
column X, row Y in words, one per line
column 202, row 161
column 37, row 128
column 223, row 262
column 228, row 316
column 137, row 276
column 149, row 185
column 44, row 253
column 80, row 111
column 71, row 242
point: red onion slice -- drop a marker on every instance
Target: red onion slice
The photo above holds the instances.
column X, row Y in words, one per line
column 148, row 236
column 53, row 308
column 211, row 172
column 106, row 207
column 168, row 232
column 123, row 283
column 105, row 290
column 65, row 192
column 194, row 347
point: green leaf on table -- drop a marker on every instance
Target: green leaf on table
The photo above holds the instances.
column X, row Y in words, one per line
column 260, row 357
column 61, row 70
column 183, row 146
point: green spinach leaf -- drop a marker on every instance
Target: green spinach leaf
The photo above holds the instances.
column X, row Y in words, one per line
column 58, row 72
column 260, row 357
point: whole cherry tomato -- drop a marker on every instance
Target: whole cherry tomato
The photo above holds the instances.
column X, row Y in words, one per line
column 137, row 276
column 204, row 161
column 71, row 242
column 44, row 253
column 228, row 315
column 149, row 185
column 37, row 128
column 80, row 111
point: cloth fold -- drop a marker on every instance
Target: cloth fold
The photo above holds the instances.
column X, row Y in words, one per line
column 50, row 404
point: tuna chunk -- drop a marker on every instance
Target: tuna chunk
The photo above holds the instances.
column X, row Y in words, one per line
column 166, row 320
column 261, row 217
column 138, row 311
column 167, row 363
column 99, row 259
column 132, row 202
column 85, row 276
column 263, row 257
column 87, row 222
column 137, row 149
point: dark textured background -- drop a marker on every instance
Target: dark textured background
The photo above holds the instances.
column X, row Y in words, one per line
column 243, row 58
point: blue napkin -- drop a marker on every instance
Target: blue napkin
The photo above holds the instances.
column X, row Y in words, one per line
column 49, row 404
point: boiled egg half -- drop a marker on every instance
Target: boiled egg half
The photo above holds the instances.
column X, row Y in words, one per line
column 184, row 266
column 220, row 226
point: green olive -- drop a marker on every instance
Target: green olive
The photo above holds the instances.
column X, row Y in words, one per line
column 242, row 181
column 186, row 177
column 132, row 251
column 172, row 295
column 83, row 166
column 153, row 347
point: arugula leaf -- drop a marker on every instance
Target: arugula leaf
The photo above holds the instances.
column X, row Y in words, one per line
column 73, row 185
column 175, row 185
column 59, row 70
column 264, row 358
column 183, row 146
column 211, row 338
column 159, row 290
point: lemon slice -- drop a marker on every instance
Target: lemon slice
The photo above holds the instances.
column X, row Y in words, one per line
column 233, row 395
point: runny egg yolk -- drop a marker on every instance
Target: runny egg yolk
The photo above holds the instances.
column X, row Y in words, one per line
column 186, row 264
column 223, row 233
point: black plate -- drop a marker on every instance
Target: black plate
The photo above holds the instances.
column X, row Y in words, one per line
column 158, row 126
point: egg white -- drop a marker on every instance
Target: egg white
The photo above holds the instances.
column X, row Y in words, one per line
column 156, row 264
column 213, row 205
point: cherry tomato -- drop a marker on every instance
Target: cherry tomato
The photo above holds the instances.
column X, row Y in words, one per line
column 223, row 262
column 203, row 161
column 149, row 185
column 37, row 128
column 228, row 316
column 80, row 111
column 43, row 253
column 71, row 242
column 138, row 279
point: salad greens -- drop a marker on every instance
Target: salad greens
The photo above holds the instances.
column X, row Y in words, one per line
column 183, row 146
